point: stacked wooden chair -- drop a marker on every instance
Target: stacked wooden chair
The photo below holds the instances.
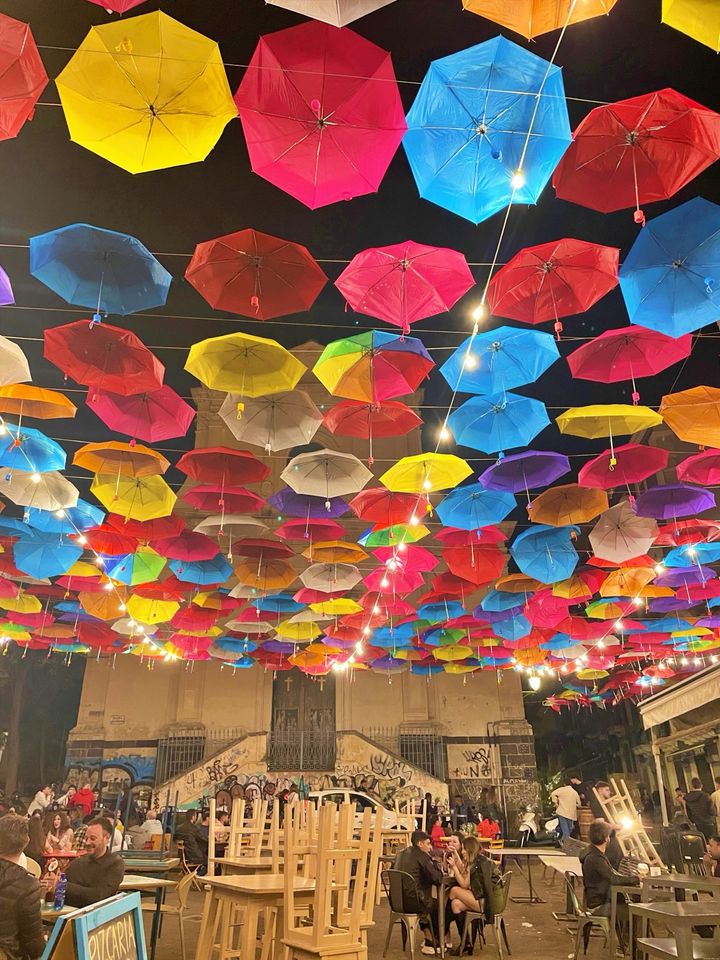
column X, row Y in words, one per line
column 633, row 838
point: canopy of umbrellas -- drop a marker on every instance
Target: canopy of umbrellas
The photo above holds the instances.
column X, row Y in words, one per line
column 278, row 581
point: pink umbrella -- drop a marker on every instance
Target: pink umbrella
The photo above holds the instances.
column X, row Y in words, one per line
column 321, row 113
column 155, row 416
column 412, row 558
column 635, row 463
column 703, row 467
column 393, row 581
column 310, row 529
column 405, row 282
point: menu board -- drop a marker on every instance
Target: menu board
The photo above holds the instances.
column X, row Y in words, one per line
column 109, row 930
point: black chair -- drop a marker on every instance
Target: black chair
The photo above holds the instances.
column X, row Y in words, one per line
column 692, row 850
column 401, row 891
column 586, row 920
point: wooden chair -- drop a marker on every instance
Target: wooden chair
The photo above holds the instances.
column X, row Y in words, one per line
column 33, row 868
column 585, row 920
column 634, row 841
column 175, row 910
column 367, row 839
column 186, row 867
column 247, row 829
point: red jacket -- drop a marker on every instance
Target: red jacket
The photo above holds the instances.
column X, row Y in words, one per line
column 83, row 798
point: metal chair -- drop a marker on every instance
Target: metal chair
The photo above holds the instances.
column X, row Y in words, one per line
column 187, row 867
column 500, row 899
column 585, row 919
column 399, row 886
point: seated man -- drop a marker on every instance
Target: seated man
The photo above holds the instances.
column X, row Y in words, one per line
column 96, row 876
column 711, row 860
column 189, row 832
column 599, row 876
column 418, row 898
column 21, row 934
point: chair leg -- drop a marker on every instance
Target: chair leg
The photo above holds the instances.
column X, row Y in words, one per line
column 579, row 938
column 391, row 923
column 411, row 923
column 505, row 936
column 182, row 934
column 465, row 935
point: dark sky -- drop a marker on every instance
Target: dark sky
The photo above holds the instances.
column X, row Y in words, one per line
column 47, row 182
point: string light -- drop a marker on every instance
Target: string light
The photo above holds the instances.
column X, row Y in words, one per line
column 479, row 313
column 470, row 361
column 35, row 477
column 518, row 181
column 444, row 433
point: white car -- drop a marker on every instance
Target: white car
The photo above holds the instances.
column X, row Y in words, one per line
column 391, row 819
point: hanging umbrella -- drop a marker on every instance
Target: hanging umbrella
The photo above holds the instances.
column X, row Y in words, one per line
column 703, row 468
column 103, row 356
column 607, row 420
column 397, row 535
column 6, row 294
column 567, row 504
column 22, row 76
column 335, row 12
column 136, row 498
column 159, row 415
column 293, row 504
column 50, row 492
column 222, row 465
column 670, row 279
column 525, row 471
column 694, row 415
column 499, row 360
column 79, row 519
column 268, row 575
column 637, row 151
column 321, row 113
column 621, row 535
column 331, row 577
column 29, row 449
column 255, row 275
column 278, row 422
column 108, row 272
column 553, row 280
column 352, row 418
column 325, row 473
column 497, row 422
column 45, row 555
column 115, row 456
column 471, row 507
column 383, row 507
column 674, row 500
column 24, row 400
column 622, row 466
column 696, row 19
column 629, row 353
column 110, row 542
column 487, row 129
column 215, row 570
column 188, row 545
column 144, row 566
column 373, row 366
column 335, row 551
column 546, row 553
column 531, row 18
column 313, row 530
column 241, row 363
column 405, row 282
column 425, row 472
column 477, row 564
column 146, row 93
column 231, row 524
column 13, row 363
column 209, row 496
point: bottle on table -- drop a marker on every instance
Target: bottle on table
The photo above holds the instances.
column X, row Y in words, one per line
column 59, row 901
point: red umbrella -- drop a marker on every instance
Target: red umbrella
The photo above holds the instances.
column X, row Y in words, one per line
column 255, row 275
column 22, row 76
column 703, row 467
column 478, row 564
column 452, row 537
column 211, row 497
column 680, row 532
column 629, row 353
column 553, row 280
column 405, row 282
column 412, row 558
column 159, row 415
column 146, row 530
column 193, row 617
column 635, row 463
column 117, row 6
column 352, row 418
column 106, row 539
column 310, row 529
column 637, row 151
column 104, row 356
column 223, row 466
column 321, row 113
column 384, row 508
column 393, row 581
column 267, row 549
column 187, row 546
column 308, row 595
column 450, row 584
column 169, row 589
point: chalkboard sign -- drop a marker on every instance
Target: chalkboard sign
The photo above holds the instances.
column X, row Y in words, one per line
column 109, row 930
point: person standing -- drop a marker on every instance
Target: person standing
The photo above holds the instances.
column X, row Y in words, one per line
column 41, row 801
column 82, row 802
column 21, row 934
column 715, row 797
column 700, row 808
column 567, row 802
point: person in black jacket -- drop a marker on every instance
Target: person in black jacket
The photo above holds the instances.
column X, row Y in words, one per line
column 599, row 877
column 700, row 808
column 417, row 896
column 21, row 936
column 97, row 875
column 189, row 832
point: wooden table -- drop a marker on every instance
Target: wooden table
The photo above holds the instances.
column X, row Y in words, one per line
column 152, row 882
column 151, row 864
column 255, row 894
column 48, row 915
column 238, row 865
column 680, row 918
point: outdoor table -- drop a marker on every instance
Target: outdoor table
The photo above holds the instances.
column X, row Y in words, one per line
column 680, row 918
column 517, row 853
column 616, row 891
column 146, row 884
column 153, row 867
column 677, row 883
column 563, row 865
column 236, row 865
column 49, row 915
column 150, row 865
column 255, row 894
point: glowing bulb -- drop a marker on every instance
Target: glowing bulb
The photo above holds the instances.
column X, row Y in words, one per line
column 697, row 661
column 414, row 521
column 684, row 661
column 384, row 582
column 122, row 608
column 82, row 539
column 427, row 485
column 626, row 823
column 108, row 586
column 601, row 644
column 479, row 312
column 659, row 568
column 534, row 682
column 391, row 563
column 517, row 181
column 470, row 362
column 3, row 429
column 444, row 433
column 402, row 546
column 35, row 477
column 99, row 561
column 637, row 601
column 376, row 609
column 618, row 624
column 366, row 631
column 713, row 658
column 691, row 552
column 60, row 513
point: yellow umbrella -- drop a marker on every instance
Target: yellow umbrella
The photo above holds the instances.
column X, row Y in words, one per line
column 458, row 668
column 336, row 607
column 453, row 651
column 22, row 603
column 651, row 591
column 243, row 364
column 299, row 632
column 699, row 19
column 150, row 610
column 590, row 674
column 118, row 457
column 25, row 400
column 533, row 17
column 146, row 93
column 81, row 568
column 607, row 420
column 135, row 498
column 567, row 504
column 335, row 551
column 425, row 472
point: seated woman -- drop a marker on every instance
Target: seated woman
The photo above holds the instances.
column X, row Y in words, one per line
column 58, row 832
column 474, row 885
column 436, row 831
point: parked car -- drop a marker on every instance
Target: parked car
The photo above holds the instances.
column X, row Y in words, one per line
column 391, row 819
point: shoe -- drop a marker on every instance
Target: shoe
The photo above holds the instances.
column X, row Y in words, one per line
column 428, row 949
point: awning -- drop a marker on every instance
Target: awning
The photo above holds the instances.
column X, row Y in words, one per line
column 688, row 694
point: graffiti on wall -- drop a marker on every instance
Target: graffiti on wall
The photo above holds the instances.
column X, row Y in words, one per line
column 111, row 774
column 470, row 761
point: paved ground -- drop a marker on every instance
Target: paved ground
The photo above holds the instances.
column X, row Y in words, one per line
column 532, row 931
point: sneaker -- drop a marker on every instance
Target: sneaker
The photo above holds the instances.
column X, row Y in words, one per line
column 428, row 949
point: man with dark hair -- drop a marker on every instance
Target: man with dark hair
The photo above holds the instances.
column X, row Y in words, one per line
column 417, row 897
column 21, row 936
column 614, row 851
column 711, row 859
column 189, row 833
column 700, row 808
column 566, row 800
column 599, row 876
column 98, row 875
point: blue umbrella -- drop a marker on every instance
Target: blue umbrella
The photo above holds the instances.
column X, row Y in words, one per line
column 216, row 570
column 560, row 641
column 438, row 612
column 497, row 422
column 499, row 360
column 692, row 553
column 244, row 663
column 479, row 136
column 235, row 645
column 546, row 553
column 107, row 271
column 83, row 516
column 670, row 279
column 24, row 448
column 469, row 508
column 278, row 603
column 498, row 600
column 45, row 555
column 514, row 628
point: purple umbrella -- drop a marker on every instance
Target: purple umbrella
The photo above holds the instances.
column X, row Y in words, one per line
column 6, row 294
column 279, row 646
column 673, row 501
column 525, row 471
column 496, row 616
column 680, row 576
column 668, row 605
column 291, row 504
column 710, row 622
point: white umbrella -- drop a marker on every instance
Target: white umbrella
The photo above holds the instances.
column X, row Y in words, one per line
column 13, row 364
column 277, row 422
column 336, row 12
column 620, row 534
column 133, row 628
column 325, row 473
column 45, row 491
column 232, row 526
column 255, row 626
column 331, row 577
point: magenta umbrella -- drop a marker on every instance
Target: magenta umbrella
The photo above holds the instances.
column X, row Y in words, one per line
column 410, row 558
column 629, row 463
column 703, row 468
column 321, row 113
column 405, row 282
column 159, row 415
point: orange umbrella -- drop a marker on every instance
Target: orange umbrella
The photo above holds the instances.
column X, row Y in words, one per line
column 266, row 575
column 626, row 582
column 518, row 583
column 531, row 657
column 25, row 400
column 104, row 605
column 582, row 585
column 115, row 457
column 335, row 551
column 694, row 415
column 533, row 17
column 568, row 504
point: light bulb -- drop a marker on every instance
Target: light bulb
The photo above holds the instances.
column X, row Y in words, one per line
column 659, row 568
column 517, row 181
column 122, row 608
column 3, row 429
column 534, row 682
column 691, row 552
column 479, row 312
column 684, row 661
column 697, row 661
column 391, row 563
column 35, row 477
column 82, row 539
column 402, row 546
column 470, row 362
column 601, row 644
column 108, row 586
column 60, row 513
column 376, row 609
column 444, row 433
column 414, row 521
column 366, row 631
column 427, row 485
column 99, row 561
column 637, row 601
column 384, row 582
column 618, row 624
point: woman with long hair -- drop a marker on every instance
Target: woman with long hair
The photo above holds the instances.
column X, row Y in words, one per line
column 36, row 843
column 474, row 885
column 58, row 832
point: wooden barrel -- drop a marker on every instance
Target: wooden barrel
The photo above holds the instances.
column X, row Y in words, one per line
column 585, row 818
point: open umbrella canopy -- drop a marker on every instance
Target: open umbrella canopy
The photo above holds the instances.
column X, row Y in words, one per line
column 115, row 456
column 46, row 491
column 629, row 353
column 13, row 363
column 546, row 553
column 497, row 422
column 45, row 555
column 135, row 498
column 29, row 449
column 499, row 359
column 694, row 415
column 468, row 140
column 77, row 519
column 158, row 415
column 703, row 468
column 620, row 534
column 567, row 505
column 526, row 471
column 244, row 364
column 325, row 473
column 607, row 420
column 24, row 400
column 674, row 500
column 144, row 566
column 255, row 275
column 211, row 496
column 222, row 465
column 622, row 466
column 146, row 93
column 277, row 422
column 287, row 501
column 471, row 507
column 694, row 18
column 22, row 76
column 321, row 113
column 336, row 12
column 531, row 18
column 425, row 472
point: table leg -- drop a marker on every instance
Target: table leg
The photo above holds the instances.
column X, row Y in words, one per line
column 532, row 897
column 155, row 930
column 441, row 919
column 613, row 921
column 206, row 938
column 684, row 942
